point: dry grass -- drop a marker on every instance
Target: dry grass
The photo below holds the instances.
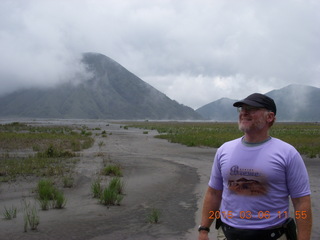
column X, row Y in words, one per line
column 39, row 151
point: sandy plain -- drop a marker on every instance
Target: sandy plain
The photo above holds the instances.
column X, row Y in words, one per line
column 157, row 174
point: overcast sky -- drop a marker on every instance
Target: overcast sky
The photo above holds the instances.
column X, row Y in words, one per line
column 194, row 51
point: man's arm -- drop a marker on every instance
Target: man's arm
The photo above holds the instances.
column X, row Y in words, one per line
column 211, row 202
column 303, row 216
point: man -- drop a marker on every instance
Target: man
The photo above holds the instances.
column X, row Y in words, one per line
column 252, row 178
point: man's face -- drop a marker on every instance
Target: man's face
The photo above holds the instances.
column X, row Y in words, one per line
column 252, row 118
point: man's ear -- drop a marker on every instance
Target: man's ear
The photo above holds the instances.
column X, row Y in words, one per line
column 271, row 117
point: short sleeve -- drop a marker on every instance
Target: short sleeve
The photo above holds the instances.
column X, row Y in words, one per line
column 216, row 180
column 297, row 176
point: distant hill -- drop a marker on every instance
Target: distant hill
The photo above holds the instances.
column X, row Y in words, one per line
column 298, row 103
column 220, row 110
column 112, row 93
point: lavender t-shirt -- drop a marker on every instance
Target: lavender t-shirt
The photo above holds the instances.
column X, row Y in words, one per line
column 257, row 181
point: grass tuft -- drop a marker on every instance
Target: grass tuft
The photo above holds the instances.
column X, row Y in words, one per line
column 114, row 170
column 68, row 181
column 117, row 185
column 46, row 190
column 112, row 195
column 154, row 216
column 10, row 213
column 59, row 200
column 31, row 217
column 49, row 195
column 96, row 188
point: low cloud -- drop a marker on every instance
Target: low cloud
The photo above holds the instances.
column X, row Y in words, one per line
column 196, row 91
column 193, row 51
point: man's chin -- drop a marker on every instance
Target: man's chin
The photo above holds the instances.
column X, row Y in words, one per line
column 242, row 128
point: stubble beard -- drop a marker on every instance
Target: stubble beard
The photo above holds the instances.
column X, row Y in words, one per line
column 257, row 125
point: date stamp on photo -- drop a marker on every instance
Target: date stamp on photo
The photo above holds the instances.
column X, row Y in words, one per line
column 256, row 215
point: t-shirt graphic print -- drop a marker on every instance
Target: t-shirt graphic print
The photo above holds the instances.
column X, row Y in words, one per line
column 253, row 184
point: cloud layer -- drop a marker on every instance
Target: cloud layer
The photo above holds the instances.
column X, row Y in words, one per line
column 193, row 51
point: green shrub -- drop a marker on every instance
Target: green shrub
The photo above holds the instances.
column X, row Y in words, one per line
column 153, row 216
column 85, row 133
column 44, row 203
column 10, row 213
column 96, row 188
column 68, row 182
column 101, row 144
column 59, row 200
column 75, row 145
column 54, row 152
column 117, row 185
column 112, row 195
column 46, row 190
column 112, row 170
column 49, row 195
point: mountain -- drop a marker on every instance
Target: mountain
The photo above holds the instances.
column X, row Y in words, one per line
column 220, row 110
column 111, row 93
column 295, row 103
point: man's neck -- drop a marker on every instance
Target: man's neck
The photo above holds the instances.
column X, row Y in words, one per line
column 256, row 138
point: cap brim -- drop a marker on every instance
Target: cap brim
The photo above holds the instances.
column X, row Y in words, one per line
column 247, row 102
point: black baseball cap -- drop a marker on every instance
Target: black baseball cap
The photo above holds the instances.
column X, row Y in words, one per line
column 258, row 100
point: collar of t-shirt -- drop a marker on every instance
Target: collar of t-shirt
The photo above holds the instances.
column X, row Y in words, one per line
column 248, row 144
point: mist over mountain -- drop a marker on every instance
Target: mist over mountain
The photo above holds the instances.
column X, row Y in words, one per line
column 298, row 103
column 295, row 103
column 220, row 110
column 112, row 92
